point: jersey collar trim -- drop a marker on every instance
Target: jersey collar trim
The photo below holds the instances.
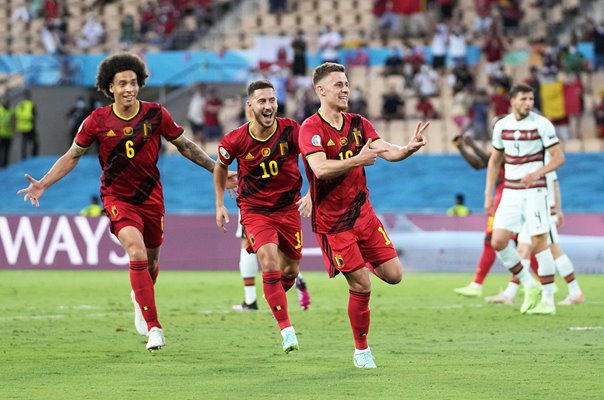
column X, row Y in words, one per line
column 138, row 108
column 329, row 123
column 249, row 130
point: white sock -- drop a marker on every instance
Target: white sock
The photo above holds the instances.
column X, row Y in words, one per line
column 574, row 290
column 547, row 266
column 248, row 267
column 509, row 258
column 565, row 267
column 511, row 290
column 547, row 295
column 357, row 351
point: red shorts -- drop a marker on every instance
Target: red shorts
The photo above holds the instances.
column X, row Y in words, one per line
column 282, row 228
column 148, row 220
column 366, row 242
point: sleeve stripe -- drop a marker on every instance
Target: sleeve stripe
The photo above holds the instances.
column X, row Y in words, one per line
column 313, row 153
column 178, row 137
column 220, row 161
column 552, row 145
column 78, row 146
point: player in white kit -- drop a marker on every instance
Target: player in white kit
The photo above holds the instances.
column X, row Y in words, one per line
column 520, row 140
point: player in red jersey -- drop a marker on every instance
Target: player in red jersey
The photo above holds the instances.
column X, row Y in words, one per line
column 128, row 133
column 268, row 195
column 336, row 146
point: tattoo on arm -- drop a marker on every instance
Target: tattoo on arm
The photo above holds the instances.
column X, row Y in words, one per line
column 76, row 152
column 194, row 153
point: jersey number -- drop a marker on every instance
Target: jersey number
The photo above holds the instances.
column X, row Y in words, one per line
column 273, row 168
column 344, row 156
column 386, row 238
column 129, row 149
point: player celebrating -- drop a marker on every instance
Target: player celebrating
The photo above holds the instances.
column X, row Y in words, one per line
column 520, row 140
column 129, row 133
column 266, row 150
column 337, row 146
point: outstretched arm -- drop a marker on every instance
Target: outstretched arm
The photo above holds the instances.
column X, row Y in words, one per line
column 394, row 152
column 193, row 152
column 61, row 167
column 476, row 157
column 329, row 169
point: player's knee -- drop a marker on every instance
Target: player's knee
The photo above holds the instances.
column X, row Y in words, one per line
column 395, row 278
column 498, row 244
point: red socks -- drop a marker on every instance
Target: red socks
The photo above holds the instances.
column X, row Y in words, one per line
column 485, row 263
column 275, row 297
column 287, row 282
column 142, row 285
column 358, row 312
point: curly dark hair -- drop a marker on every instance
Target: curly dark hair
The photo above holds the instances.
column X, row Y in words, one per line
column 119, row 63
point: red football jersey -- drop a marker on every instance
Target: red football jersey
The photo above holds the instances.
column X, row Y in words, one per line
column 338, row 202
column 129, row 150
column 267, row 170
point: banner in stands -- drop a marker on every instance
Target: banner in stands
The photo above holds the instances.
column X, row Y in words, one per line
column 193, row 242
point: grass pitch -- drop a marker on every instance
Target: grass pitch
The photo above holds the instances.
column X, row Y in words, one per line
column 70, row 335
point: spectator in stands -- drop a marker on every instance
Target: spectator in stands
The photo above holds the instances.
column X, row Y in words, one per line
column 534, row 81
column 25, row 124
column 277, row 6
column 36, row 8
column 128, row 34
column 438, row 46
column 598, row 42
column 92, row 32
column 51, row 39
column 483, row 20
column 212, row 128
column 493, row 49
column 426, row 81
column 599, row 115
column 459, row 209
column 458, row 46
column 329, row 45
column 573, row 62
column 479, row 112
column 461, row 74
column 20, row 13
column 411, row 19
column 7, row 130
column 357, row 104
column 500, row 102
column 445, row 9
column 460, row 106
column 299, row 47
column 393, row 65
column 195, row 113
column 393, row 105
column 384, row 20
column 75, row 116
column 550, row 61
column 94, row 209
column 51, row 10
column 511, row 15
column 425, row 110
column 147, row 20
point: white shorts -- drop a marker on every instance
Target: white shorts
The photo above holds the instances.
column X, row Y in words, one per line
column 522, row 206
column 552, row 237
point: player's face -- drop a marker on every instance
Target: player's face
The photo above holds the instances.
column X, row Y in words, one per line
column 263, row 105
column 124, row 88
column 334, row 90
column 522, row 104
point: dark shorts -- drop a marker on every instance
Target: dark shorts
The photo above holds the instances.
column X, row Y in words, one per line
column 148, row 220
column 282, row 228
column 366, row 242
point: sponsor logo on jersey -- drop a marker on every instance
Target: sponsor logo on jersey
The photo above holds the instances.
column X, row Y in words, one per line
column 128, row 131
column 316, row 140
column 225, row 154
column 330, row 143
column 343, row 141
column 110, row 133
column 266, row 152
column 249, row 156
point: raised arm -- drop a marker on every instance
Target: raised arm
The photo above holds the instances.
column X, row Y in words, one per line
column 394, row 152
column 329, row 169
column 61, row 167
column 476, row 157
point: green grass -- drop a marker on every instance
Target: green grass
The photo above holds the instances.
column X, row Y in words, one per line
column 69, row 335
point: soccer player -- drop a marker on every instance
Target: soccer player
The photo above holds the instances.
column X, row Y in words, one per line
column 266, row 149
column 520, row 140
column 129, row 132
column 336, row 146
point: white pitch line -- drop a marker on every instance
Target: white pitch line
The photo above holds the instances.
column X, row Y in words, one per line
column 586, row 328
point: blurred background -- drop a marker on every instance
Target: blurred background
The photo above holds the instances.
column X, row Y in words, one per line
column 449, row 61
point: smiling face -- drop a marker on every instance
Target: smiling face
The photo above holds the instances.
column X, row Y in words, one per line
column 125, row 89
column 522, row 104
column 263, row 104
column 333, row 90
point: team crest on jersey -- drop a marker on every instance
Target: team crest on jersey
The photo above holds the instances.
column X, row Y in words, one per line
column 128, row 131
column 343, row 141
column 249, row 156
column 110, row 133
column 516, row 135
column 316, row 140
column 266, row 152
column 225, row 154
column 330, row 143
